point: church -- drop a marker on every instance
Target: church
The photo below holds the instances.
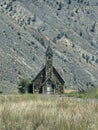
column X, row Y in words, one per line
column 48, row 80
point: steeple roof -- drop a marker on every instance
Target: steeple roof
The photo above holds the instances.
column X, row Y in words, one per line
column 49, row 50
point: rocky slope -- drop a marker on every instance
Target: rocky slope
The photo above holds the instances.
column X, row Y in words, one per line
column 27, row 26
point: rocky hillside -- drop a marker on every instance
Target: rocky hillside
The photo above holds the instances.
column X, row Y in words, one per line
column 26, row 27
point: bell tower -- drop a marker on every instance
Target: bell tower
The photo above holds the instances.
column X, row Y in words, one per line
column 49, row 63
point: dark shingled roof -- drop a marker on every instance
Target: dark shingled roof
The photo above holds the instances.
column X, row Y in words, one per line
column 58, row 75
column 54, row 71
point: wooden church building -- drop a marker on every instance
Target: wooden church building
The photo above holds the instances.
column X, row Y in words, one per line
column 48, row 80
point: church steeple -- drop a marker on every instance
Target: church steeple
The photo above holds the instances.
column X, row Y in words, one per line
column 49, row 51
column 49, row 62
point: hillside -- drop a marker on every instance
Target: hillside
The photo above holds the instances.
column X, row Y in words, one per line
column 71, row 26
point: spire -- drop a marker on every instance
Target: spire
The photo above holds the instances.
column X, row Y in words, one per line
column 49, row 50
column 49, row 62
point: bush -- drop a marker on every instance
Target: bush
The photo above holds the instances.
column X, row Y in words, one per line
column 96, row 61
column 23, row 85
column 1, row 92
column 69, row 2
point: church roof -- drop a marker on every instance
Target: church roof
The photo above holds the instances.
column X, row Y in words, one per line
column 42, row 72
column 58, row 75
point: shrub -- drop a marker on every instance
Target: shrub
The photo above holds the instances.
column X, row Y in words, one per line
column 1, row 92
column 69, row 1
column 96, row 61
column 23, row 85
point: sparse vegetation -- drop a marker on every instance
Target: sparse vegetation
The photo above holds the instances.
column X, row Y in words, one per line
column 33, row 112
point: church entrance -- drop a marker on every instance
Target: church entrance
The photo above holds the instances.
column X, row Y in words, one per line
column 50, row 88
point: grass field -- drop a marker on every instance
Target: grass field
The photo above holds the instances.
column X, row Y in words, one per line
column 92, row 93
column 36, row 112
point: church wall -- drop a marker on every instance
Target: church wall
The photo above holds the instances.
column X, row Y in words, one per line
column 37, row 82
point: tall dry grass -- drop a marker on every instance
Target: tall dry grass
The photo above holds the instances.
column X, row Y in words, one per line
column 24, row 112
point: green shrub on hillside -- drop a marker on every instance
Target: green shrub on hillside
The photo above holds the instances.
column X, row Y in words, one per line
column 23, row 85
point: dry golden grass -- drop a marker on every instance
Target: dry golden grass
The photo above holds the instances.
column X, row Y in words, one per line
column 70, row 91
column 28, row 112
